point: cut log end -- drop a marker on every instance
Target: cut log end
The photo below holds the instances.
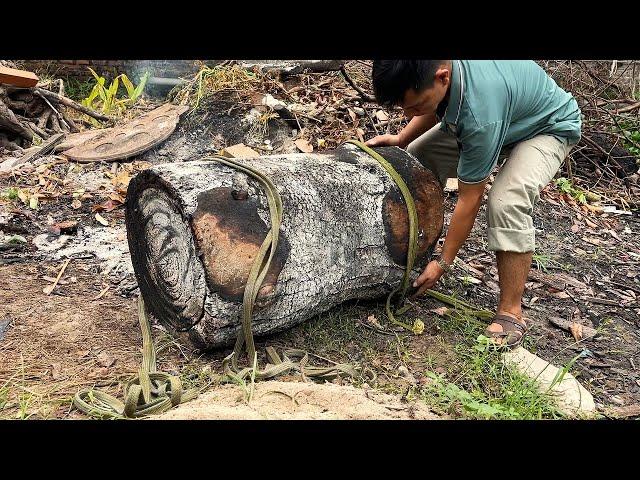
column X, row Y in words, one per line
column 170, row 277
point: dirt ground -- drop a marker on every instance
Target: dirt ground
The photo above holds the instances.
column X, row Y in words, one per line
column 52, row 346
column 86, row 334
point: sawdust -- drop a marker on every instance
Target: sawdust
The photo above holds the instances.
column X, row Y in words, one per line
column 276, row 400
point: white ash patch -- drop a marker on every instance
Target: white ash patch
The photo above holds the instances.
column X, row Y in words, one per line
column 108, row 245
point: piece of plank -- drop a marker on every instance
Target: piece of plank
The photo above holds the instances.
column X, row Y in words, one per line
column 18, row 78
column 239, row 150
column 587, row 332
column 571, row 397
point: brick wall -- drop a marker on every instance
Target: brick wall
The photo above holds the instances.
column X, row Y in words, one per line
column 110, row 68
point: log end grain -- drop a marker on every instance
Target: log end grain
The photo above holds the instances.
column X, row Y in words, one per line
column 165, row 261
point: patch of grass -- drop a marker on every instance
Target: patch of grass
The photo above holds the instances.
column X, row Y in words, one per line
column 485, row 388
column 10, row 193
column 544, row 262
column 212, row 80
column 77, row 89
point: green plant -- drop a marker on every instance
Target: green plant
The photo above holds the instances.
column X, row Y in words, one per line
column 106, row 98
column 566, row 186
column 541, row 260
column 77, row 89
column 486, row 388
column 10, row 193
column 632, row 147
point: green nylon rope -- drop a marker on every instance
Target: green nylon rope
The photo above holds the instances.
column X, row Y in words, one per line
column 149, row 392
column 412, row 247
column 293, row 359
column 152, row 392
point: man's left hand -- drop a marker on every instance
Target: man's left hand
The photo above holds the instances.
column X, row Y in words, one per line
column 428, row 278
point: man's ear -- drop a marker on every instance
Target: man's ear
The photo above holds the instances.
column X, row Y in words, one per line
column 443, row 75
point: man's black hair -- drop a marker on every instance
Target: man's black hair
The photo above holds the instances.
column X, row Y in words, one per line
column 392, row 78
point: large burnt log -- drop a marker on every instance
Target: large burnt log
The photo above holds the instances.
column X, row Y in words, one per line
column 194, row 229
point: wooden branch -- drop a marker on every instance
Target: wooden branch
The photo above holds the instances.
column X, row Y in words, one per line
column 365, row 96
column 71, row 104
column 9, row 121
column 41, row 133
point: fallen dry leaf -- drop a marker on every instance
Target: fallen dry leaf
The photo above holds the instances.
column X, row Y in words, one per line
column 116, row 197
column 122, row 179
column 99, row 373
column 381, row 115
column 576, row 331
column 304, row 145
column 107, row 206
column 66, row 228
column 76, row 204
column 101, row 220
column 373, row 321
column 590, row 223
column 105, row 360
column 575, row 228
column 440, row 311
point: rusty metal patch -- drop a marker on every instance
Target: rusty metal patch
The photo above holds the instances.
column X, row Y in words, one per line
column 132, row 138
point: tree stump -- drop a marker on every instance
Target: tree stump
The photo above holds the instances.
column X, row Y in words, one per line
column 194, row 229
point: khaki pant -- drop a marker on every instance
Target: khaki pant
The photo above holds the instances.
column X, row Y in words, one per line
column 530, row 165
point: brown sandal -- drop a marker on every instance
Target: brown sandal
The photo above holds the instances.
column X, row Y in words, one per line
column 513, row 332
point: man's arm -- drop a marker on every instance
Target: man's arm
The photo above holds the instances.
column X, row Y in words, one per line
column 416, row 127
column 464, row 216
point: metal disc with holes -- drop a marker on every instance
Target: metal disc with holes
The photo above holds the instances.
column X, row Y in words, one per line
column 132, row 138
column 78, row 139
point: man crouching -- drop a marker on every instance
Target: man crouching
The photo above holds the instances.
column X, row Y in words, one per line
column 467, row 117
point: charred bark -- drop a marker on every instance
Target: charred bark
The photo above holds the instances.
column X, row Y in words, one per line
column 194, row 229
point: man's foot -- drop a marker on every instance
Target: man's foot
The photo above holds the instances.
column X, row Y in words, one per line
column 507, row 330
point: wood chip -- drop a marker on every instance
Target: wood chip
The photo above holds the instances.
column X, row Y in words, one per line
column 304, row 145
column 626, row 411
column 576, row 330
column 592, row 241
column 547, row 279
column 602, row 301
column 49, row 288
column 585, row 331
column 101, row 294
column 102, row 220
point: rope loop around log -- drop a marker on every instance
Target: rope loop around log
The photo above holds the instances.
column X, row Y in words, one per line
column 296, row 360
column 413, row 234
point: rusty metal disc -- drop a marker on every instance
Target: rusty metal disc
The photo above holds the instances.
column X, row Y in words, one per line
column 132, row 138
column 77, row 139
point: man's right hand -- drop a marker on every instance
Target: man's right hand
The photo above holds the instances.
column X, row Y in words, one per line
column 386, row 140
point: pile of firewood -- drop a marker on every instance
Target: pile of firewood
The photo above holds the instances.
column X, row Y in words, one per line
column 29, row 116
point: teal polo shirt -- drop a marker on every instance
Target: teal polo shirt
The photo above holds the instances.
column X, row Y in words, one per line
column 493, row 104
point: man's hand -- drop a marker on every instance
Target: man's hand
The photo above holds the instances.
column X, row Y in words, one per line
column 386, row 140
column 428, row 278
